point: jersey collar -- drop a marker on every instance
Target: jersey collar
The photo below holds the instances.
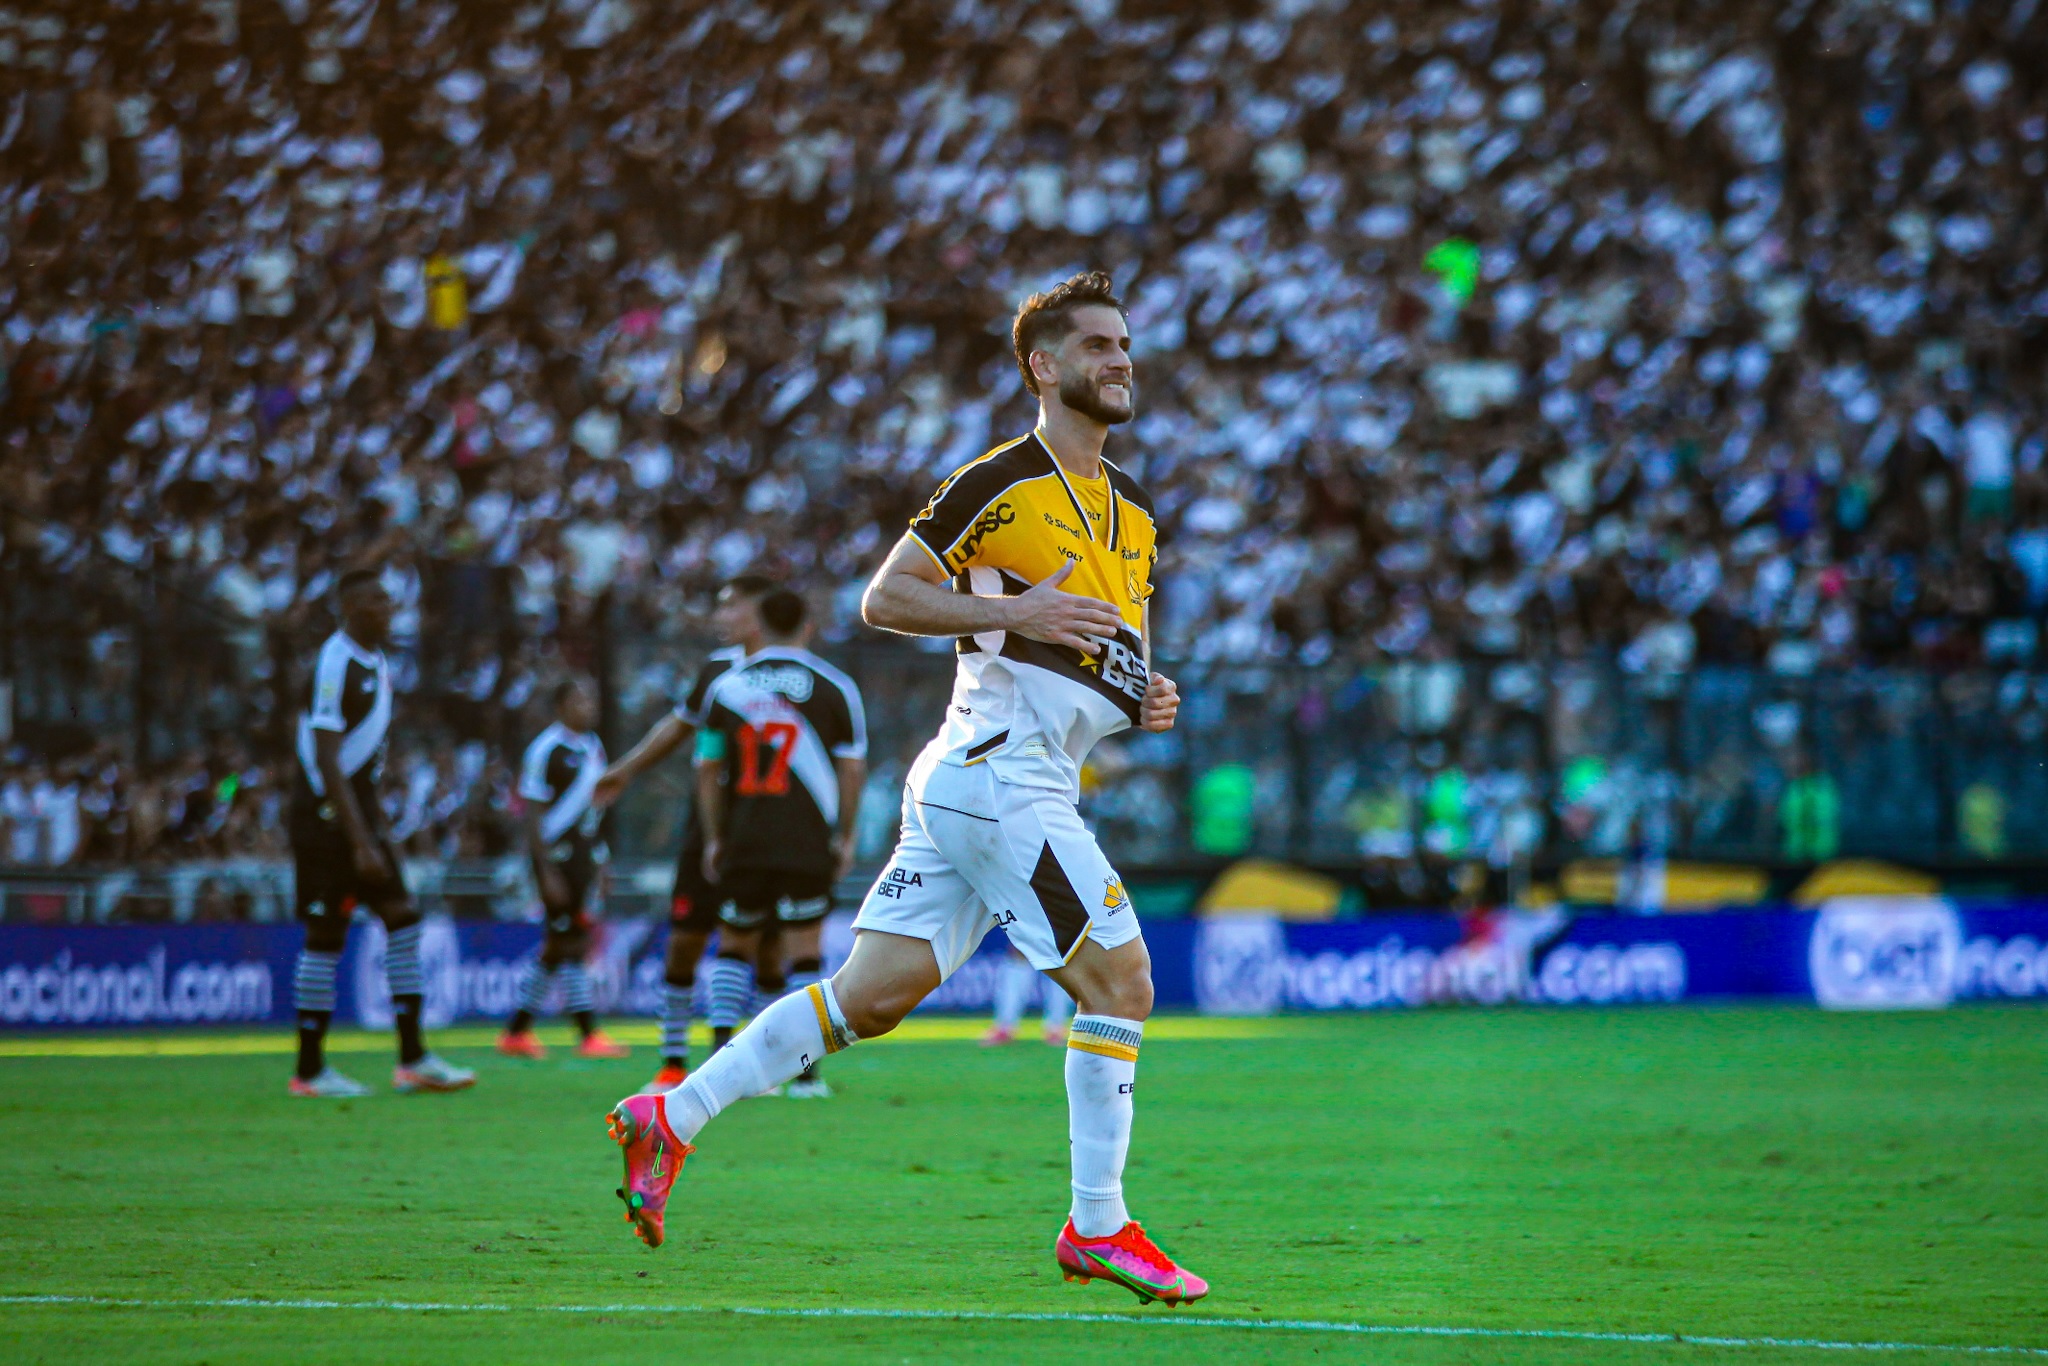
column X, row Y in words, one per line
column 1087, row 523
column 362, row 655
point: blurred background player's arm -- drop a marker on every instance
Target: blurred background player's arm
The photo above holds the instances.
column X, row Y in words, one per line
column 668, row 735
column 711, row 799
column 913, row 596
column 369, row 860
column 853, row 776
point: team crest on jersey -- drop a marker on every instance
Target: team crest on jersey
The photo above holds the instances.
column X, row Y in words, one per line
column 1113, row 897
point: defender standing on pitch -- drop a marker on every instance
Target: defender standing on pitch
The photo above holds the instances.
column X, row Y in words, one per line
column 991, row 834
column 781, row 761
column 557, row 779
column 340, row 856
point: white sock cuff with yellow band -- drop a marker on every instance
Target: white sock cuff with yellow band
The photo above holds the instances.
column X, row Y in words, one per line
column 1106, row 1036
column 831, row 1020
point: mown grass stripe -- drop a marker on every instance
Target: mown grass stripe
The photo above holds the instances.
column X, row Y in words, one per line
column 1151, row 1319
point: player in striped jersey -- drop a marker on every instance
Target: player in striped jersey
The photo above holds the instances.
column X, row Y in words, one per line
column 693, row 905
column 341, row 858
column 782, row 757
column 557, row 779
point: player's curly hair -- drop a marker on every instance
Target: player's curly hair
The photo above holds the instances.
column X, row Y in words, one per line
column 1046, row 317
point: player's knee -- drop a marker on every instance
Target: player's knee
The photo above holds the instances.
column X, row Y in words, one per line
column 400, row 917
column 1122, row 995
column 806, row 967
column 872, row 1016
column 326, row 934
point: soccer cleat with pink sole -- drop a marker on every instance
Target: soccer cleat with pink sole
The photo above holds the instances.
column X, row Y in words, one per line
column 654, row 1158
column 1130, row 1259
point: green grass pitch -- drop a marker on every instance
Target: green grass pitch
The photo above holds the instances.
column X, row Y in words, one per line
column 1746, row 1173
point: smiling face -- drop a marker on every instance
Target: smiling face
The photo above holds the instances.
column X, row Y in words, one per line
column 1090, row 370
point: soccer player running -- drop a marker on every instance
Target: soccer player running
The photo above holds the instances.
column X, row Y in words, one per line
column 557, row 779
column 341, row 859
column 781, row 757
column 693, row 904
column 991, row 836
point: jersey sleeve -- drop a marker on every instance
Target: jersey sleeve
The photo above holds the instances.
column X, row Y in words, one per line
column 533, row 772
column 330, row 677
column 852, row 743
column 692, row 709
column 965, row 511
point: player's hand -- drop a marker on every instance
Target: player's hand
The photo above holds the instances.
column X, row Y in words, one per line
column 1159, row 705
column 712, row 855
column 842, row 858
column 610, row 788
column 1045, row 612
column 370, row 864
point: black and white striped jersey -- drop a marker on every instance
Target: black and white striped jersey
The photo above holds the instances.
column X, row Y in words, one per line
column 691, row 707
column 560, row 773
column 776, row 720
column 349, row 694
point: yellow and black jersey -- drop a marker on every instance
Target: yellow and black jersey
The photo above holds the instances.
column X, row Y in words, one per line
column 1031, row 710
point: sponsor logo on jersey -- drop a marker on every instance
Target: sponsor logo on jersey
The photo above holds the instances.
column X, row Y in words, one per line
column 1075, row 532
column 788, row 679
column 1122, row 669
column 992, row 521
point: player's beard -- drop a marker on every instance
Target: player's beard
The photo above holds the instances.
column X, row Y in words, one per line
column 1084, row 396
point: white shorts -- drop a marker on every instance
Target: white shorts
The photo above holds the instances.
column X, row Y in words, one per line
column 977, row 854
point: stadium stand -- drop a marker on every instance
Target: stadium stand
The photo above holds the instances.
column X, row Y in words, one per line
column 1540, row 378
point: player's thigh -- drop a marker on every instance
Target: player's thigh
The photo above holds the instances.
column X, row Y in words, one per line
column 921, row 895
column 1048, row 884
column 322, row 882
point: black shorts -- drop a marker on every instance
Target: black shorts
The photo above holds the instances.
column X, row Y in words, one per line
column 565, row 929
column 751, row 899
column 325, row 879
column 693, row 905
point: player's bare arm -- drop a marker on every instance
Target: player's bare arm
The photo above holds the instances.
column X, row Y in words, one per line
column 363, row 850
column 912, row 596
column 666, row 736
column 853, row 776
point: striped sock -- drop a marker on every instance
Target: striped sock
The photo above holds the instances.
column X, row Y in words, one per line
column 675, row 1022
column 732, row 986
column 1102, row 1070
column 576, row 995
column 533, row 988
column 402, row 962
column 313, row 983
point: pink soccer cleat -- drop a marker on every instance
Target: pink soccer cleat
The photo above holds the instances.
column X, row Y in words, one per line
column 1132, row 1260
column 997, row 1036
column 654, row 1158
column 601, row 1045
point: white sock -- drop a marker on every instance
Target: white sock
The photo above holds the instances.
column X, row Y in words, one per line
column 1059, row 1007
column 1102, row 1069
column 1013, row 989
column 782, row 1041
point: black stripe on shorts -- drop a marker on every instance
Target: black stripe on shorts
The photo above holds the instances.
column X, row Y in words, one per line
column 1062, row 906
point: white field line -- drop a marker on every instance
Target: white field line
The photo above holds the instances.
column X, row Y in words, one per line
column 1158, row 1319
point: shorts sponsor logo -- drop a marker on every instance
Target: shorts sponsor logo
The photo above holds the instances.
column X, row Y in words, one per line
column 894, row 882
column 1884, row 953
column 1123, row 669
column 1113, row 897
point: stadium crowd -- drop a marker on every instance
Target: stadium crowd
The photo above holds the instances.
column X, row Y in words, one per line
column 1477, row 331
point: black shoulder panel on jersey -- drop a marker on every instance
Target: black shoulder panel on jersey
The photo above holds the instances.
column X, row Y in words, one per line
column 1129, row 489
column 968, row 490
